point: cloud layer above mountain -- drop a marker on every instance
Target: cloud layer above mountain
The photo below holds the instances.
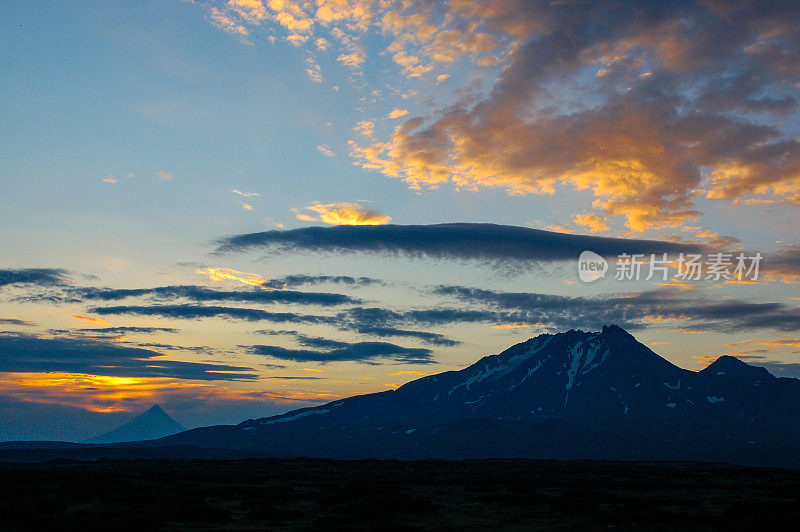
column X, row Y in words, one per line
column 499, row 245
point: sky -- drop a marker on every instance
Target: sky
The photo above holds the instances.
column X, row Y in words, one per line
column 238, row 208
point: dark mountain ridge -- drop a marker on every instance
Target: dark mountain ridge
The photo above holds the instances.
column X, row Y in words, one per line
column 573, row 395
column 570, row 395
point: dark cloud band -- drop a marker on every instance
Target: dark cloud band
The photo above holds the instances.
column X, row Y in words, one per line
column 333, row 351
column 496, row 244
column 21, row 353
column 34, row 276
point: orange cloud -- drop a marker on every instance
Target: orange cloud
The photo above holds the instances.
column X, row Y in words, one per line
column 592, row 222
column 344, row 214
column 165, row 176
column 229, row 274
column 365, row 127
column 351, row 60
column 94, row 321
column 397, row 113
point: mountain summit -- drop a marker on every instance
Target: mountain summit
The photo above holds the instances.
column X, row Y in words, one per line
column 575, row 394
column 149, row 425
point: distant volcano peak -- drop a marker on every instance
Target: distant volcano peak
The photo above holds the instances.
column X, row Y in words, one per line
column 734, row 367
column 151, row 424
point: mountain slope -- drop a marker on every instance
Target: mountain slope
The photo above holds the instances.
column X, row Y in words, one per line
column 570, row 395
column 150, row 425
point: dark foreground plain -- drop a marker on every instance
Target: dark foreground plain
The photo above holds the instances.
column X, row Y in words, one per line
column 292, row 494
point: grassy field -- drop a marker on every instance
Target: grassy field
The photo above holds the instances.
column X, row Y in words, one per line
column 316, row 494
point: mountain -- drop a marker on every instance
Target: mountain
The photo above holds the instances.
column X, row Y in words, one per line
column 573, row 395
column 150, row 425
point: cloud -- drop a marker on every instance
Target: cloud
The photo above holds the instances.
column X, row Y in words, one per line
column 300, row 280
column 33, row 276
column 226, row 23
column 17, row 322
column 326, row 150
column 90, row 319
column 200, row 294
column 365, row 127
column 364, row 323
column 110, row 180
column 784, row 264
column 190, row 312
column 686, row 99
column 632, row 310
column 498, row 245
column 397, row 113
column 295, row 378
column 592, row 222
column 130, row 329
column 351, row 60
column 21, row 353
column 344, row 214
column 708, row 237
column 637, row 310
column 427, row 337
column 313, row 70
column 165, row 176
column 244, row 194
column 263, row 291
column 364, row 352
column 229, row 274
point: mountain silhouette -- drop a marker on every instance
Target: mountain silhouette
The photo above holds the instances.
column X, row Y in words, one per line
column 150, row 425
column 573, row 395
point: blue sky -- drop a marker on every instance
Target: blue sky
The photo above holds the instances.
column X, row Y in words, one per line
column 139, row 134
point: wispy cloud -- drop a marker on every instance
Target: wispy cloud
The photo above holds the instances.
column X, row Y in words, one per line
column 244, row 194
column 365, row 127
column 90, row 319
column 326, row 150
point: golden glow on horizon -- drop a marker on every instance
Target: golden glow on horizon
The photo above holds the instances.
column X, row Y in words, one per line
column 107, row 394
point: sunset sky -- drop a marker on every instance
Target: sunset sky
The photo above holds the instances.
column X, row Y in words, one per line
column 200, row 200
